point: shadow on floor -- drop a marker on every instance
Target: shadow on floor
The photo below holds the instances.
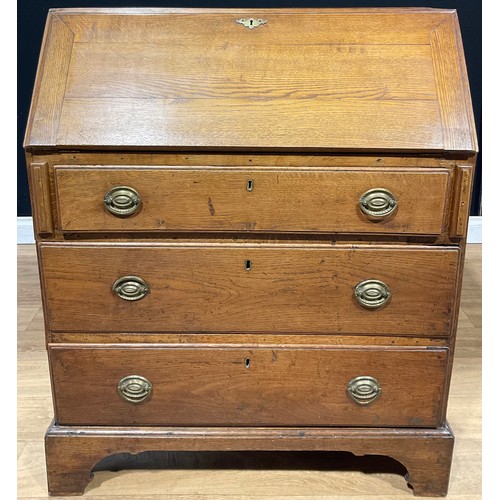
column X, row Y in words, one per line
column 254, row 460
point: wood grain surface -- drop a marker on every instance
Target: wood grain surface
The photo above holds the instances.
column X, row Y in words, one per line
column 245, row 475
column 207, row 288
column 40, row 198
column 463, row 194
column 370, row 80
column 279, row 199
column 250, row 159
column 425, row 454
column 371, row 83
column 247, row 386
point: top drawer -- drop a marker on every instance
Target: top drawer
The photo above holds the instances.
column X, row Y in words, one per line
column 230, row 199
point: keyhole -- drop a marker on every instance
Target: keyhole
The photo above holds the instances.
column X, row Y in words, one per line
column 249, row 185
column 247, row 362
column 251, row 22
column 248, row 265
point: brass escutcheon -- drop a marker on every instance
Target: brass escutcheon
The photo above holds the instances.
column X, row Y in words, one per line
column 134, row 388
column 372, row 294
column 122, row 201
column 364, row 390
column 251, row 23
column 377, row 204
column 130, row 288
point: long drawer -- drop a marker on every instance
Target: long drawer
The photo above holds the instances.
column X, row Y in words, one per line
column 249, row 288
column 99, row 199
column 176, row 385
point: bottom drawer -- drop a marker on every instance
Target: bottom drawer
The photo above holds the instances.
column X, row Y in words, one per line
column 248, row 386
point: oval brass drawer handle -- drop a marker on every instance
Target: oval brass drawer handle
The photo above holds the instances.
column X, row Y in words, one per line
column 134, row 388
column 130, row 288
column 122, row 201
column 377, row 204
column 372, row 294
column 364, row 390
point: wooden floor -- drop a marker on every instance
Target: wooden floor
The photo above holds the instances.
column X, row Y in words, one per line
column 250, row 476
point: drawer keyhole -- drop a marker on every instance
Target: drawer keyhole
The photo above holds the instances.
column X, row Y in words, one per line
column 248, row 265
column 247, row 362
column 249, row 185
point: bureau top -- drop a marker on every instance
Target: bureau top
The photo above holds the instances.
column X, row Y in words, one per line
column 306, row 80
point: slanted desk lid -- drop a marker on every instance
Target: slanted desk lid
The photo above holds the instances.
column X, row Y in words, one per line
column 303, row 80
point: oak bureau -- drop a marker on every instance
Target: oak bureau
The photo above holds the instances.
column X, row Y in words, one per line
column 250, row 228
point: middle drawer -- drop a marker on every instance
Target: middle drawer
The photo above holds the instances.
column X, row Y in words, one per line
column 249, row 288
